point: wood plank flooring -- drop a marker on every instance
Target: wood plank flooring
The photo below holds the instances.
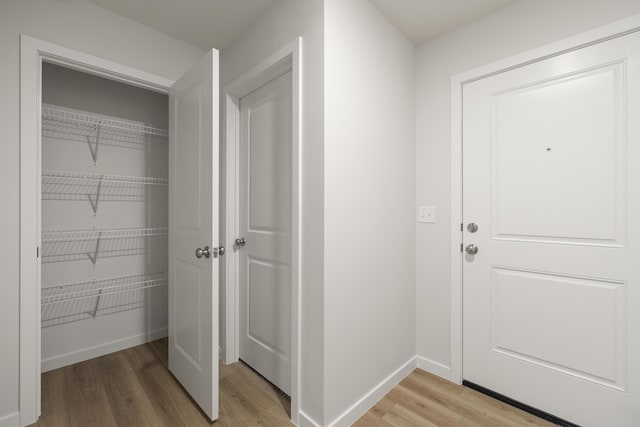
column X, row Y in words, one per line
column 133, row 387
column 425, row 400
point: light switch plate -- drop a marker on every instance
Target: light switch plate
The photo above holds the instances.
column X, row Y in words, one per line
column 427, row 214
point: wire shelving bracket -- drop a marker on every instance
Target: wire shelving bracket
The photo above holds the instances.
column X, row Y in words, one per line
column 94, row 148
column 94, row 257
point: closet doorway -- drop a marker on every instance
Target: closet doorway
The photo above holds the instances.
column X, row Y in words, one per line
column 119, row 224
column 263, row 193
column 104, row 205
column 265, row 228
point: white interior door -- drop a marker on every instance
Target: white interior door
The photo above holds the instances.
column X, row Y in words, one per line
column 551, row 178
column 265, row 224
column 193, row 223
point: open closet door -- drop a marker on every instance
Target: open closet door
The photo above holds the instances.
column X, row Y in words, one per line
column 193, row 232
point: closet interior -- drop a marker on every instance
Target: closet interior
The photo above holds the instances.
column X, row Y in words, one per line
column 104, row 216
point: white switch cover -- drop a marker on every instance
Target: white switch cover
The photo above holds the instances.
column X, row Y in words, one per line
column 427, row 214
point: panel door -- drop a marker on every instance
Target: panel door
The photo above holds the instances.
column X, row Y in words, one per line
column 552, row 297
column 265, row 223
column 193, row 223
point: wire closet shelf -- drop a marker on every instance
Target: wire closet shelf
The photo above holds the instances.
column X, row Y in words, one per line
column 82, row 290
column 75, row 301
column 75, row 245
column 59, row 115
column 62, row 124
column 60, row 185
column 59, row 236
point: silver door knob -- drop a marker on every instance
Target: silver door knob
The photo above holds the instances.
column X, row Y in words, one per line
column 221, row 250
column 206, row 252
column 471, row 249
column 240, row 242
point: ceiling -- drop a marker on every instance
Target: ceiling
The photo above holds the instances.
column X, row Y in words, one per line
column 203, row 23
column 423, row 20
column 216, row 23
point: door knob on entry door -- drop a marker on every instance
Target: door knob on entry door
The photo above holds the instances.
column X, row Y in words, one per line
column 206, row 252
column 471, row 249
column 240, row 242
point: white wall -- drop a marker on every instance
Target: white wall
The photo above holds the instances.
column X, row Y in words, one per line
column 80, row 26
column 369, row 202
column 525, row 25
column 287, row 20
column 82, row 91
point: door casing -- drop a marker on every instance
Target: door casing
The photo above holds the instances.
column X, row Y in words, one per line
column 32, row 53
column 598, row 35
column 287, row 58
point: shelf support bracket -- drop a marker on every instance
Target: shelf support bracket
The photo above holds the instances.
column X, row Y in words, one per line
column 94, row 149
column 95, row 310
column 94, row 257
column 94, row 203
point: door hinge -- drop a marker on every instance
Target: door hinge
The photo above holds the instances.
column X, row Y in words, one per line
column 461, row 227
column 461, row 245
column 37, row 251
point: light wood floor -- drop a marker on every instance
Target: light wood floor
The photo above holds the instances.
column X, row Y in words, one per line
column 134, row 388
column 424, row 400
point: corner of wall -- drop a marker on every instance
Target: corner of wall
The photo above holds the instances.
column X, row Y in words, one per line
column 373, row 396
column 433, row 367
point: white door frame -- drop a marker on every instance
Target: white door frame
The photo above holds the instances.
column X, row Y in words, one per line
column 598, row 35
column 32, row 53
column 287, row 58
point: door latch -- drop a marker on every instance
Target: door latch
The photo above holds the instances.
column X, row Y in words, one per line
column 207, row 252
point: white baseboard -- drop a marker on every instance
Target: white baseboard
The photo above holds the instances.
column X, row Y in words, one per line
column 100, row 350
column 305, row 420
column 372, row 397
column 11, row 420
column 434, row 368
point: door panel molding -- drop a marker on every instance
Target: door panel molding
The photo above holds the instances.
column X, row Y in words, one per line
column 521, row 297
column 589, row 38
column 288, row 58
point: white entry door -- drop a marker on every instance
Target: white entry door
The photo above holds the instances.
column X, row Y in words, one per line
column 193, row 223
column 552, row 181
column 265, row 224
